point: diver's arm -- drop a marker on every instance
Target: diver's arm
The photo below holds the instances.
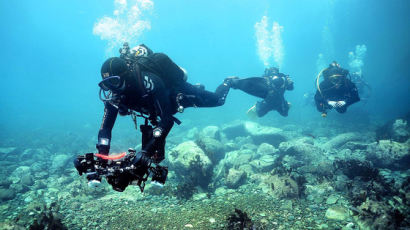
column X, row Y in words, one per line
column 289, row 83
column 353, row 94
column 321, row 103
column 104, row 135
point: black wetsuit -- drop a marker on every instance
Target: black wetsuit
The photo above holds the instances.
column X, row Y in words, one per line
column 270, row 88
column 150, row 91
column 345, row 91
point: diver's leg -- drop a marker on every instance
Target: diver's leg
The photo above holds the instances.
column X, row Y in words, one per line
column 198, row 97
column 255, row 86
column 341, row 109
column 283, row 108
column 262, row 108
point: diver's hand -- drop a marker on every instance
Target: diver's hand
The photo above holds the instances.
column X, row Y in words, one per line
column 340, row 104
column 332, row 103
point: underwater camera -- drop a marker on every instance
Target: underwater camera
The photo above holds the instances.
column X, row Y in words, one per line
column 121, row 170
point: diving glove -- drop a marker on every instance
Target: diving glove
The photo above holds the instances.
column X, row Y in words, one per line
column 332, row 103
column 340, row 104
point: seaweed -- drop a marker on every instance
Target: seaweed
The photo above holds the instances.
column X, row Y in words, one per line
column 239, row 220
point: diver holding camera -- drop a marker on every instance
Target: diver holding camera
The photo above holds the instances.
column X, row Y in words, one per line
column 141, row 83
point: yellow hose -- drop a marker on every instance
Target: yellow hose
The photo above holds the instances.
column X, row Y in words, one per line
column 317, row 81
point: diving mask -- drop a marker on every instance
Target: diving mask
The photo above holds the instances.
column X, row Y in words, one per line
column 113, row 83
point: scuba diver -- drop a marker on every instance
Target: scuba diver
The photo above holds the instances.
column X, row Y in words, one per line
column 144, row 84
column 271, row 87
column 336, row 90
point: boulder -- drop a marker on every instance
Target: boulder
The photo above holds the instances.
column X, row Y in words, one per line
column 7, row 150
column 237, row 158
column 18, row 173
column 265, row 163
column 266, row 149
column 281, row 186
column 340, row 140
column 400, row 130
column 235, row 178
column 7, row 194
column 192, row 133
column 259, row 134
column 27, row 180
column 389, row 154
column 191, row 163
column 60, row 162
column 236, row 129
column 337, row 213
column 212, row 148
column 211, row 132
column 264, row 134
column 396, row 130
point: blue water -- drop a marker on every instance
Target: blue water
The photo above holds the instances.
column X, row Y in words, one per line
column 51, row 58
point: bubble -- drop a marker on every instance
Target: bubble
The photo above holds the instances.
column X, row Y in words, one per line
column 127, row 23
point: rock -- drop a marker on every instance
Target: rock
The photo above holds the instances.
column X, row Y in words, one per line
column 192, row 133
column 332, row 199
column 190, row 162
column 397, row 130
column 7, row 194
column 200, row 196
column 337, row 213
column 317, row 192
column 282, row 186
column 210, row 132
column 259, row 134
column 351, row 145
column 212, row 148
column 238, row 158
column 234, row 130
column 265, row 163
column 27, row 180
column 35, row 155
column 18, row 173
column 19, row 188
column 341, row 183
column 400, row 130
column 389, row 154
column 235, row 178
column 60, row 162
column 349, row 226
column 287, row 205
column 301, row 150
column 264, row 134
column 7, row 150
column 341, row 139
column 5, row 183
column 266, row 149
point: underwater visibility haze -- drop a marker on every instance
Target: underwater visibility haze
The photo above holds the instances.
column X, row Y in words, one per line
column 303, row 165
